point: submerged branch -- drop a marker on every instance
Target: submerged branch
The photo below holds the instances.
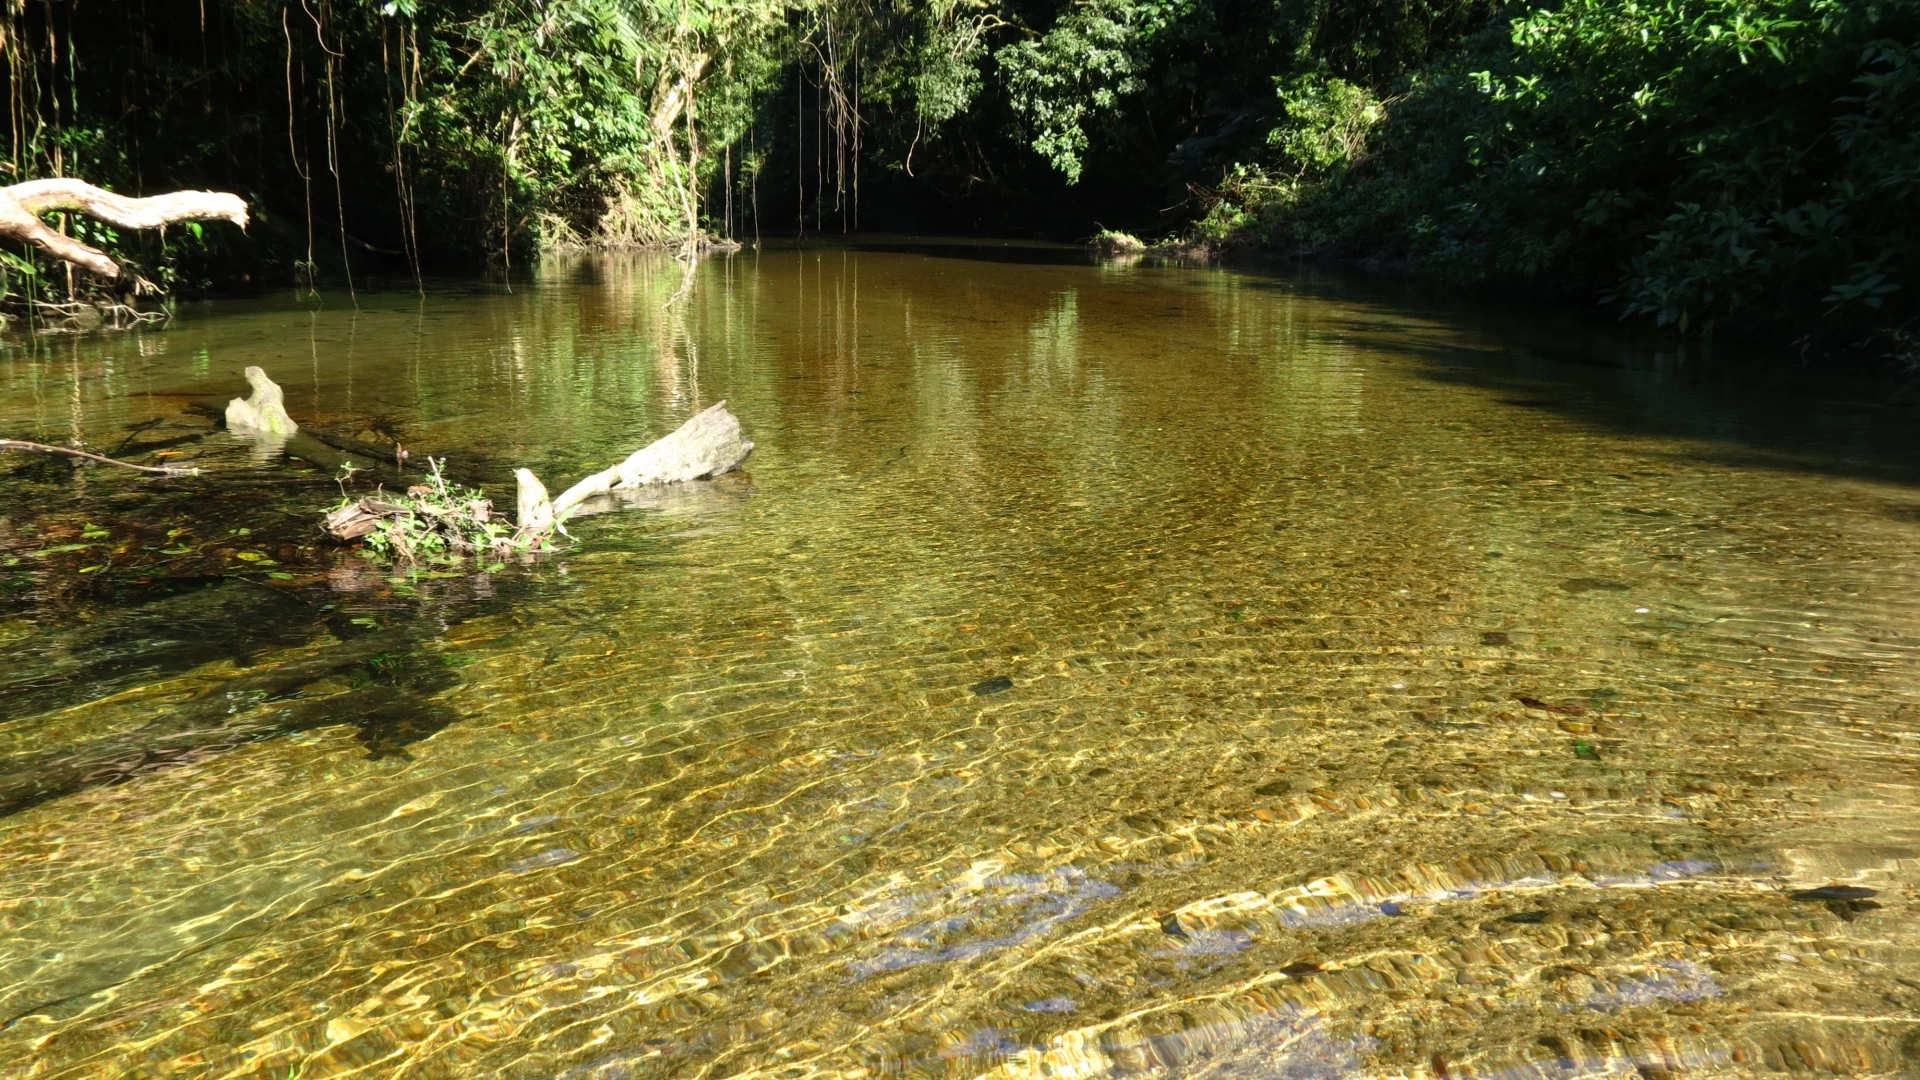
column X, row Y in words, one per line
column 43, row 448
column 80, row 316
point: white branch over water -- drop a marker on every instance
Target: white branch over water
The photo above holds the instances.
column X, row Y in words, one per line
column 22, row 204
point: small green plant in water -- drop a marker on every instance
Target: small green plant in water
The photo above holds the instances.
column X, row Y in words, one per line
column 437, row 522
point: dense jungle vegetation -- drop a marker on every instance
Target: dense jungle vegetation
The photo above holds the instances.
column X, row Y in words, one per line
column 1708, row 165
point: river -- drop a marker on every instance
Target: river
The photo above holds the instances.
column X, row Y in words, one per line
column 1098, row 670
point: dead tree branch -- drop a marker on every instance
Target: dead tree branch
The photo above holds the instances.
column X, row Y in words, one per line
column 43, row 448
column 22, row 204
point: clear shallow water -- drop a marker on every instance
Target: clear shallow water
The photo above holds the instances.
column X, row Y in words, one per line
column 1099, row 672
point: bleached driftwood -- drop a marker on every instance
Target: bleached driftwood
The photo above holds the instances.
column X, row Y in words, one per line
column 22, row 204
column 707, row 445
column 262, row 420
column 533, row 510
column 265, row 412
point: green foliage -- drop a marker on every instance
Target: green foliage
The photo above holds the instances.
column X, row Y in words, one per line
column 1082, row 71
column 1182, row 91
column 946, row 77
column 1701, row 163
column 429, row 131
column 1325, row 123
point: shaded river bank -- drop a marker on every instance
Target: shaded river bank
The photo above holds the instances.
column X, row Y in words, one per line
column 1099, row 671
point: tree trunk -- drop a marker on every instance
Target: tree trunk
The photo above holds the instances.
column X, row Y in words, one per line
column 265, row 412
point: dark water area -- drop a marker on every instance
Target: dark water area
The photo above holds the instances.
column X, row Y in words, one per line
column 1099, row 670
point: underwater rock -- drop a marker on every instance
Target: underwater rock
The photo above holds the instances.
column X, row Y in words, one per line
column 1579, row 585
column 1569, row 709
column 1832, row 892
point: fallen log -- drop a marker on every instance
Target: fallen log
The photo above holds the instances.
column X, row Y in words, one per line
column 262, row 417
column 533, row 510
column 360, row 448
column 302, row 446
column 22, row 204
column 707, row 445
column 441, row 516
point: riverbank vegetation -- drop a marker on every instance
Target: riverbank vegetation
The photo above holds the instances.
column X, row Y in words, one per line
column 1709, row 166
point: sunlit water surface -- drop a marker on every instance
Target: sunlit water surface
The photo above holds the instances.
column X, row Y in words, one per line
column 1098, row 672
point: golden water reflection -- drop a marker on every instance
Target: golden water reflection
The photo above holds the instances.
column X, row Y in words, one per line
column 1133, row 672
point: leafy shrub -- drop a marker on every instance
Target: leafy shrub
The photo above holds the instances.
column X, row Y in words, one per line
column 437, row 522
column 1702, row 163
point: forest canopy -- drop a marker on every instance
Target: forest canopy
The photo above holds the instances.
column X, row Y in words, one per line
column 1704, row 165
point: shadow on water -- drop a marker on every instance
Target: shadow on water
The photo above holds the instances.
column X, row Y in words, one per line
column 1013, row 252
column 380, row 676
column 1791, row 421
column 391, row 680
column 1743, row 410
column 178, row 625
column 129, row 583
